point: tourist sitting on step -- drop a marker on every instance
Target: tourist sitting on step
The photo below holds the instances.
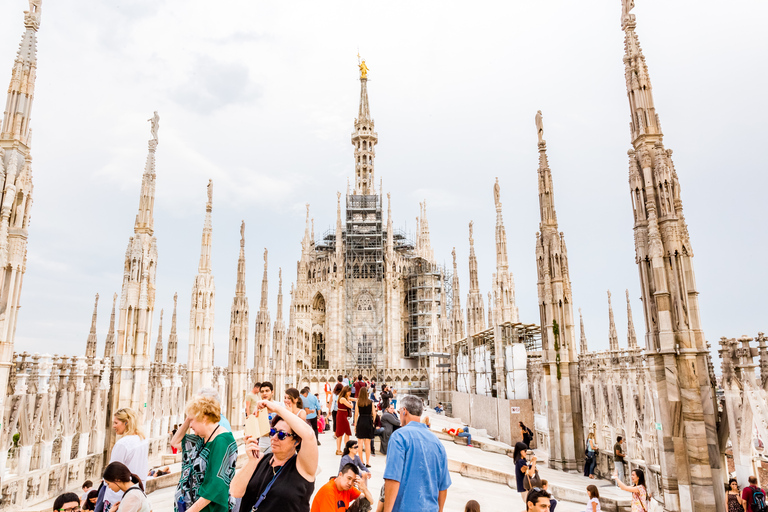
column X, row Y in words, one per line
column 439, row 409
column 346, row 492
column 552, row 501
column 352, row 456
column 593, row 505
column 90, row 500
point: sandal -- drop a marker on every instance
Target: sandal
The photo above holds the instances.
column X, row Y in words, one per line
column 339, row 452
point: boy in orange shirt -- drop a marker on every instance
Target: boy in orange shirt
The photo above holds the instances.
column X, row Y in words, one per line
column 339, row 492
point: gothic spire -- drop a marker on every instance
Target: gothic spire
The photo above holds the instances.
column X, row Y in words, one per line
column 109, row 345
column 644, row 122
column 90, row 348
column 457, row 316
column 631, row 336
column 613, row 337
column 145, row 218
column 264, row 285
column 279, row 317
column 475, row 306
column 583, row 348
column 339, row 235
column 206, row 245
column 426, row 244
column 21, row 90
column 364, row 138
column 390, row 234
column 173, row 340
column 505, row 282
column 159, row 344
column 240, row 288
column 546, row 189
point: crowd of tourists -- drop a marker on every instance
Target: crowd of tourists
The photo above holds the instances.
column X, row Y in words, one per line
column 281, row 466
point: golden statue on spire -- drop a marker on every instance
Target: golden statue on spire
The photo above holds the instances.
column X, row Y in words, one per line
column 363, row 68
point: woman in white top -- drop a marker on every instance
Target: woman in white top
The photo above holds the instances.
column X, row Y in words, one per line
column 119, row 478
column 593, row 505
column 132, row 450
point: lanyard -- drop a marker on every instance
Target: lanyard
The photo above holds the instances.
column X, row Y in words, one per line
column 269, row 486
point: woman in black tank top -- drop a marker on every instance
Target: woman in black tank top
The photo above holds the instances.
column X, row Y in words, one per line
column 285, row 479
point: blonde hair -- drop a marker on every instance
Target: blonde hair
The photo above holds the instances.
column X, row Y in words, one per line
column 131, row 420
column 204, row 406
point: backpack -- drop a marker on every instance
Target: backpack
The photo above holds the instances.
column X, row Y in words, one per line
column 758, row 500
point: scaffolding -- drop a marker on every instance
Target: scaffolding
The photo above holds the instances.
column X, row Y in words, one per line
column 423, row 290
column 364, row 238
column 484, row 356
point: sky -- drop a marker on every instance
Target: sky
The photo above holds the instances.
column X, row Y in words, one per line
column 261, row 97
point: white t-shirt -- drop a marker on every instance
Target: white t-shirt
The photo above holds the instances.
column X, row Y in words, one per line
column 588, row 509
column 134, row 453
column 135, row 501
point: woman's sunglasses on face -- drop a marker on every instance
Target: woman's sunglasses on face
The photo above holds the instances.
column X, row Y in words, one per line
column 281, row 434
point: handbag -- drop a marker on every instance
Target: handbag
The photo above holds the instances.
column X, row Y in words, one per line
column 529, row 482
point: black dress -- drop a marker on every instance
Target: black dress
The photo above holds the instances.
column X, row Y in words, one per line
column 290, row 492
column 364, row 428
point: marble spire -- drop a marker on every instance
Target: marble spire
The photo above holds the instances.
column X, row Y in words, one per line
column 278, row 338
column 364, row 139
column 558, row 334
column 109, row 344
column 583, row 348
column 631, row 336
column 145, row 219
column 173, row 339
column 16, row 186
column 475, row 306
column 237, row 375
column 689, row 460
column 90, row 347
column 457, row 315
column 613, row 337
column 504, row 283
column 263, row 322
column 202, row 310
column 159, row 344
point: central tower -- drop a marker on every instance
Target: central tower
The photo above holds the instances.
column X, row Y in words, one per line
column 364, row 269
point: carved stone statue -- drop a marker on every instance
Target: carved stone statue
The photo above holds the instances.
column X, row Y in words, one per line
column 363, row 69
column 265, row 256
column 210, row 191
column 497, row 194
column 540, row 126
column 155, row 124
column 242, row 233
column 626, row 7
column 471, row 240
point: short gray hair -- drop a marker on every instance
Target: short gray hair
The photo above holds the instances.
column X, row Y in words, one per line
column 413, row 404
column 209, row 391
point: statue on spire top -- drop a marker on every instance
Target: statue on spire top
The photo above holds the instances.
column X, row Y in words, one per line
column 363, row 69
column 540, row 126
column 155, row 124
column 497, row 193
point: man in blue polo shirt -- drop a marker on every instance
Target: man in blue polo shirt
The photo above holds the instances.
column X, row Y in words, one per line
column 312, row 406
column 416, row 476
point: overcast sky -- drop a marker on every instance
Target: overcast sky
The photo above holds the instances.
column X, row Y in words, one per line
column 261, row 97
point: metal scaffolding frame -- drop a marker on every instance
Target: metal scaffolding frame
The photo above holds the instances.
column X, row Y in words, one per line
column 422, row 287
column 364, row 238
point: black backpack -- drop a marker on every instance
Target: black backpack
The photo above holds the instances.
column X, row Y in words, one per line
column 758, row 500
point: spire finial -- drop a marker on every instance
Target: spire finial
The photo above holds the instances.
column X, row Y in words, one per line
column 363, row 68
column 613, row 337
column 155, row 125
column 242, row 233
column 626, row 16
column 540, row 126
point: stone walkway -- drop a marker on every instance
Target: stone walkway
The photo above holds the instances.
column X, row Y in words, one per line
column 477, row 474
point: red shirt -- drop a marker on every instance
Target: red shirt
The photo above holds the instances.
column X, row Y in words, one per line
column 330, row 499
column 359, row 384
column 746, row 495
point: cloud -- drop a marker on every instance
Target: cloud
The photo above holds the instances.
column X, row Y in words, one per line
column 213, row 85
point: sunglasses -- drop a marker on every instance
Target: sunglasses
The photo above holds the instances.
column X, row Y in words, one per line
column 281, row 434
